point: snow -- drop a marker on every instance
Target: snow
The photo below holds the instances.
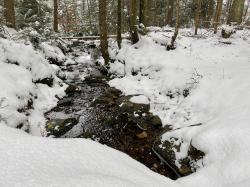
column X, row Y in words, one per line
column 202, row 81
column 28, row 160
column 52, row 52
column 141, row 99
column 35, row 161
column 21, row 66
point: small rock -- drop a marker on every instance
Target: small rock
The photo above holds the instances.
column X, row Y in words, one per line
column 48, row 81
column 72, row 89
column 156, row 121
column 104, row 101
column 142, row 135
column 64, row 102
column 55, row 61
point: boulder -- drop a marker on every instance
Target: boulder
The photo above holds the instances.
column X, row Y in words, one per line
column 125, row 105
column 226, row 33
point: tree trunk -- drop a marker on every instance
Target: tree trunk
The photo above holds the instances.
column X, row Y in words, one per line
column 132, row 21
column 119, row 23
column 246, row 11
column 9, row 13
column 197, row 19
column 143, row 11
column 170, row 10
column 103, row 30
column 177, row 25
column 236, row 11
column 210, row 11
column 217, row 15
column 55, row 26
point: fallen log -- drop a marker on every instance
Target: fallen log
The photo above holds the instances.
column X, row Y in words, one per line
column 86, row 38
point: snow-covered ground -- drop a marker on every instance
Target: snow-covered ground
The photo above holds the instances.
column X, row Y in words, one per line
column 203, row 81
column 35, row 161
column 28, row 160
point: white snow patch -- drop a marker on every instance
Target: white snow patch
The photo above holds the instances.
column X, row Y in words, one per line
column 140, row 99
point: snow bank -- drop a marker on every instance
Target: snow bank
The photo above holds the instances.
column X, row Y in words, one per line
column 203, row 81
column 23, row 102
column 34, row 161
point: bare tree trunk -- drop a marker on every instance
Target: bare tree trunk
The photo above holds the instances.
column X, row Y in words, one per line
column 90, row 19
column 197, row 19
column 132, row 21
column 9, row 13
column 246, row 11
column 228, row 5
column 217, row 15
column 103, row 30
column 170, row 10
column 119, row 23
column 236, row 11
column 143, row 12
column 55, row 25
column 209, row 13
column 177, row 25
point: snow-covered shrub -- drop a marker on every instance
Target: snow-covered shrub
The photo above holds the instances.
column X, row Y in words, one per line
column 28, row 86
column 53, row 53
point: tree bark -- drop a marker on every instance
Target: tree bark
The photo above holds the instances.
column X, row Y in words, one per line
column 177, row 25
column 197, row 19
column 170, row 10
column 9, row 13
column 143, row 11
column 236, row 11
column 246, row 11
column 210, row 11
column 217, row 15
column 119, row 23
column 103, row 30
column 132, row 21
column 55, row 25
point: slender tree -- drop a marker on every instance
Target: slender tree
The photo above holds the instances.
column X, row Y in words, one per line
column 132, row 21
column 210, row 11
column 246, row 11
column 119, row 23
column 197, row 19
column 236, row 11
column 143, row 9
column 103, row 30
column 9, row 13
column 55, row 25
column 177, row 25
column 169, row 12
column 217, row 15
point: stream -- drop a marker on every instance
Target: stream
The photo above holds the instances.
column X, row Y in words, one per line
column 92, row 109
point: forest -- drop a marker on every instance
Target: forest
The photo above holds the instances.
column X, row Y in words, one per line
column 125, row 93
